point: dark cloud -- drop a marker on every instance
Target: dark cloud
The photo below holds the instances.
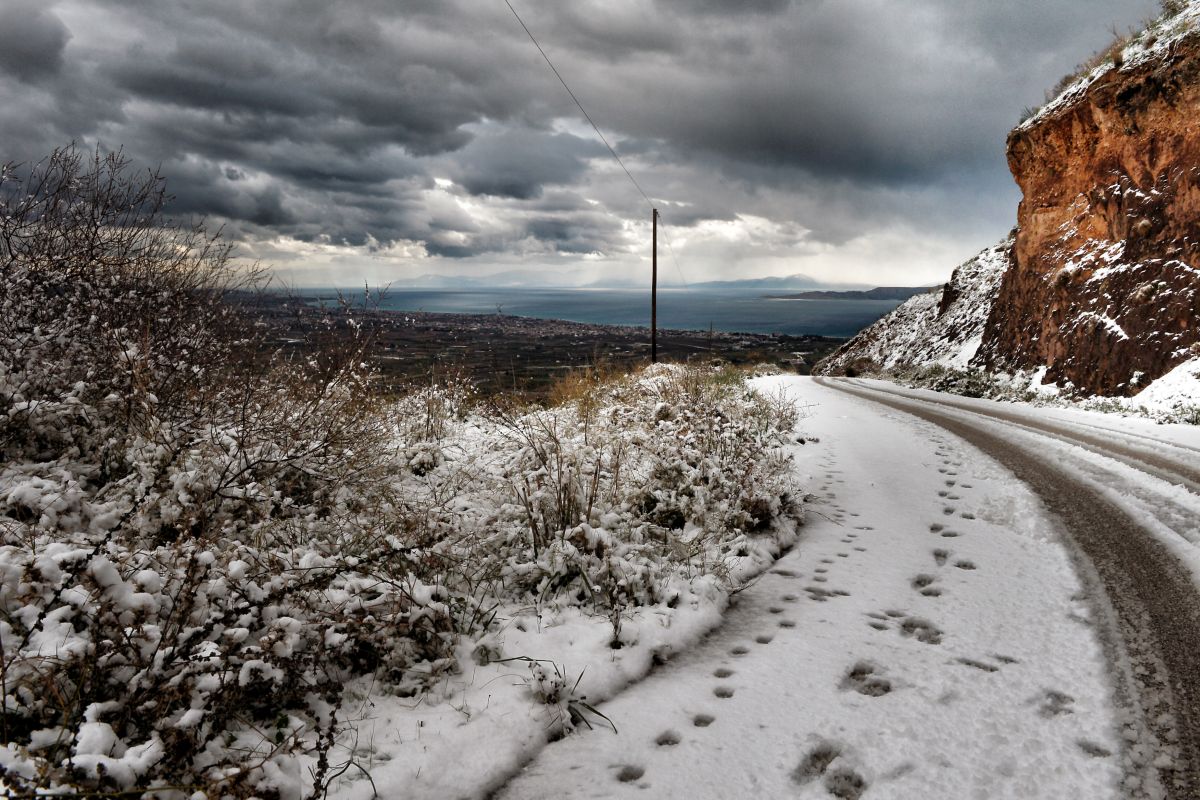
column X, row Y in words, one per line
column 519, row 163
column 435, row 123
column 32, row 40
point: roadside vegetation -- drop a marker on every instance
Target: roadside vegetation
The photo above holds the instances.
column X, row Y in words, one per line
column 973, row 382
column 204, row 541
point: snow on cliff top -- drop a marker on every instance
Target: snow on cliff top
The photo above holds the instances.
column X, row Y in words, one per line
column 1155, row 42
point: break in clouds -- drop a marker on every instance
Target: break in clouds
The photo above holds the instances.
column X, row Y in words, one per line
column 857, row 140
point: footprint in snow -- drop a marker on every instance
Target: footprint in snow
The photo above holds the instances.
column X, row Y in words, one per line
column 841, row 781
column 629, row 773
column 845, row 784
column 979, row 665
column 723, row 692
column 964, row 564
column 1092, row 749
column 923, row 583
column 940, row 556
column 816, row 762
column 865, row 679
column 723, row 672
column 821, row 594
column 1055, row 704
column 668, row 739
column 921, row 629
column 703, row 720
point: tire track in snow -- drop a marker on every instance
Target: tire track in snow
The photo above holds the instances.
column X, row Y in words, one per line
column 1153, row 641
column 1158, row 464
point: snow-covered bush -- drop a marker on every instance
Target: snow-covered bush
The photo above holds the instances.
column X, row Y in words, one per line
column 202, row 542
column 198, row 542
column 953, row 380
column 611, row 499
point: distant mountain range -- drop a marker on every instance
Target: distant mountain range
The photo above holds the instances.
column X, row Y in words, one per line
column 787, row 282
column 543, row 280
column 512, row 278
column 878, row 293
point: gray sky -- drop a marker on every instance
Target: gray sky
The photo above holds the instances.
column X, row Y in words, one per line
column 850, row 140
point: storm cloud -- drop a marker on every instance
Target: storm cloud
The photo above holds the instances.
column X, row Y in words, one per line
column 860, row 139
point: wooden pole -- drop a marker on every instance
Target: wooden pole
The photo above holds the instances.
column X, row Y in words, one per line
column 654, row 288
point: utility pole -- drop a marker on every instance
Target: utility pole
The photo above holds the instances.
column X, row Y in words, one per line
column 654, row 287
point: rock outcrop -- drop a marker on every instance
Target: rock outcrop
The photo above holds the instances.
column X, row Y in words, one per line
column 939, row 327
column 1101, row 294
column 1103, row 290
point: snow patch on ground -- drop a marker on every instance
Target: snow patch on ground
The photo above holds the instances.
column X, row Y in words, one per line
column 1176, row 391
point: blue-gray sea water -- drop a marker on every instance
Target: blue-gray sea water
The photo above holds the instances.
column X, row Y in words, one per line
column 745, row 311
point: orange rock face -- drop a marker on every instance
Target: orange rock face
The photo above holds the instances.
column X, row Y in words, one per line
column 1105, row 285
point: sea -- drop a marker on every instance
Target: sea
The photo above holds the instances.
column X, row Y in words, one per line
column 731, row 310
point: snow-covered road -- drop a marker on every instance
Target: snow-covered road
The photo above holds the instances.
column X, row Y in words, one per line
column 945, row 628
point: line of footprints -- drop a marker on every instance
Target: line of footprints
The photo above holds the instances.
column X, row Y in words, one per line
column 827, row 761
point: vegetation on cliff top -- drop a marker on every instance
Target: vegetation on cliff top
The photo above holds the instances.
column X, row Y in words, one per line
column 1113, row 54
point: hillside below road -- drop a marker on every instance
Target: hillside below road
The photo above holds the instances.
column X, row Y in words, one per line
column 979, row 607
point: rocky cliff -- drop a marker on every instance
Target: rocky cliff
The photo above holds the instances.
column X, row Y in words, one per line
column 1103, row 287
column 1101, row 293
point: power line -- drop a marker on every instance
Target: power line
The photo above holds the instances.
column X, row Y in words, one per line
column 596, row 128
column 675, row 261
column 586, row 115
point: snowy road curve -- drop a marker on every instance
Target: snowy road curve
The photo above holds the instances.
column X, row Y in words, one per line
column 988, row 601
column 1151, row 628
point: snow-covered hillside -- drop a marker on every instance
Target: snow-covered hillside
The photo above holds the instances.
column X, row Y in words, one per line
column 935, row 328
